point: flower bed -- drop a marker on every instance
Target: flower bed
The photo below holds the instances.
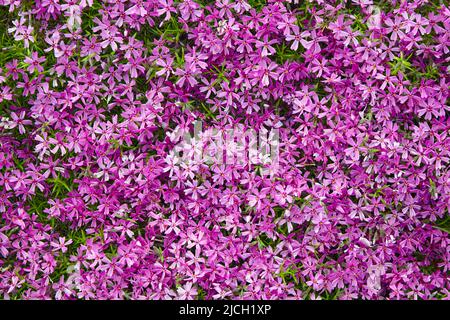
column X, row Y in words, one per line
column 107, row 193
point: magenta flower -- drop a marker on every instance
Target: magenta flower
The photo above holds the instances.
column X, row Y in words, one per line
column 34, row 62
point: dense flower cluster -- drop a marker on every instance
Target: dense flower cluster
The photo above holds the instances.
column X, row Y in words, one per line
column 94, row 205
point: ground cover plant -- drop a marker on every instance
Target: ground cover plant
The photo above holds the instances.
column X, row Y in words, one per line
column 95, row 97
